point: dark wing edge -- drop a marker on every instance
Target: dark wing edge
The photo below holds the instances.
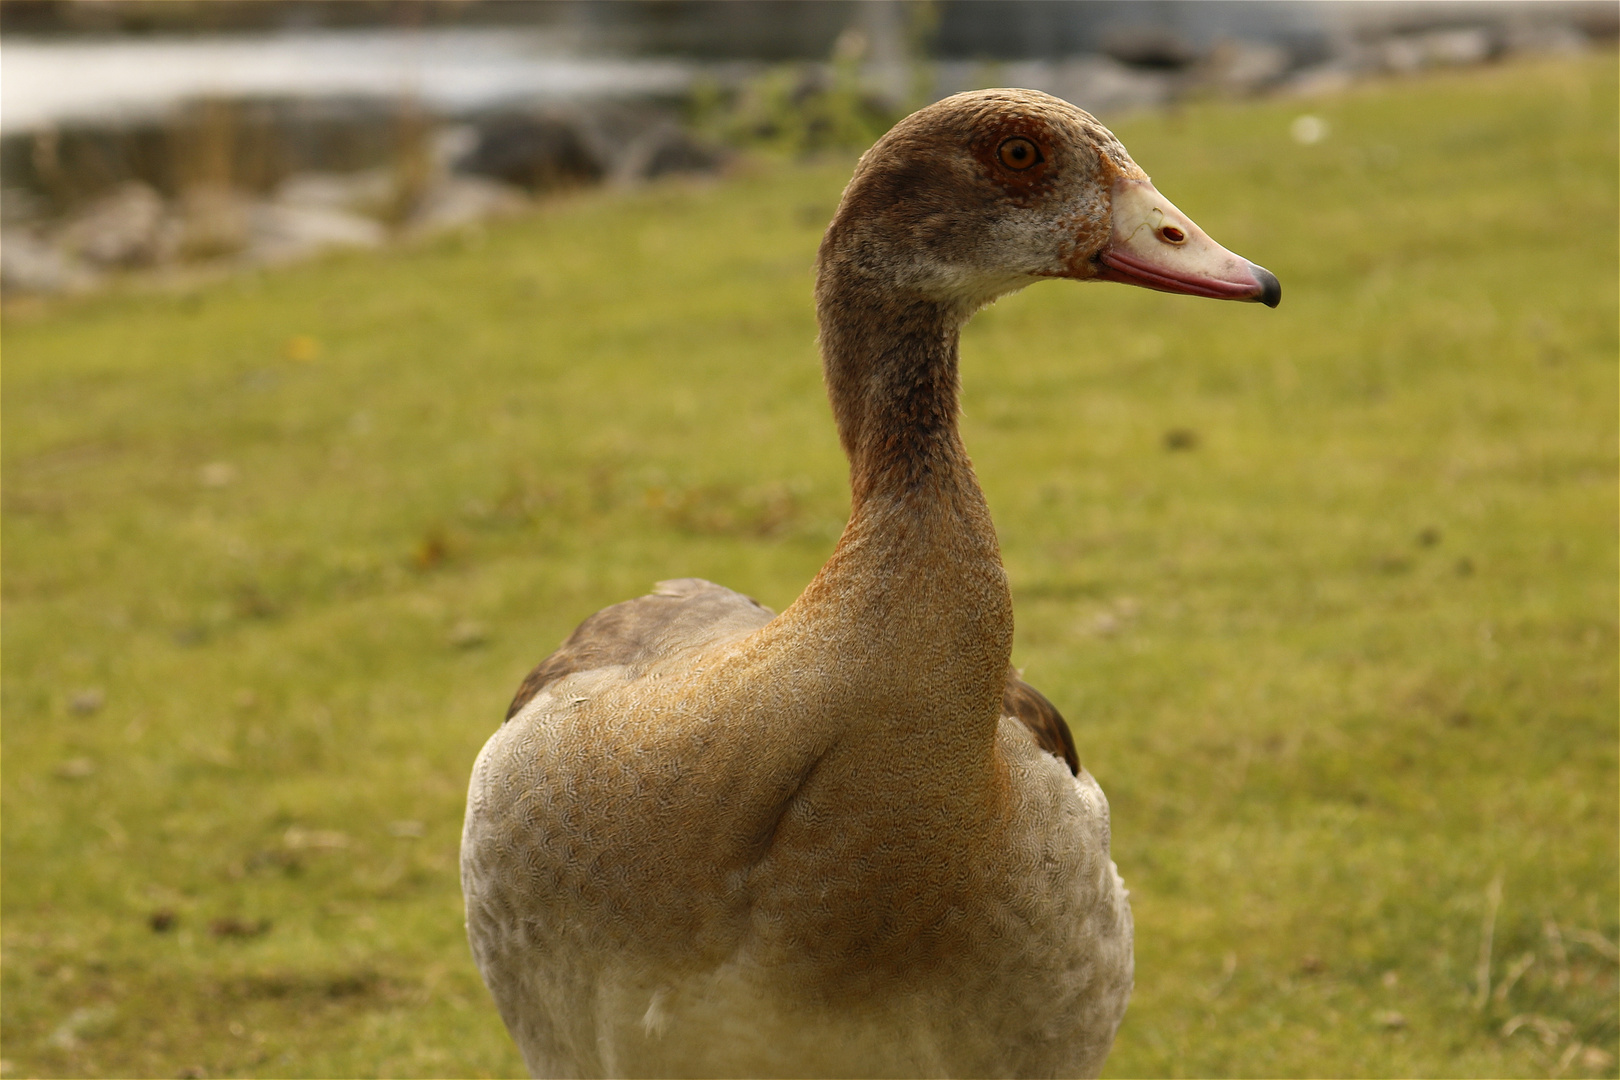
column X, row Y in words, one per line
column 1028, row 705
column 639, row 629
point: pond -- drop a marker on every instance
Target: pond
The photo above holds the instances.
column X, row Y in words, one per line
column 49, row 82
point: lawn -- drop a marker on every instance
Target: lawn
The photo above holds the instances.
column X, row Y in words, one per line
column 1328, row 593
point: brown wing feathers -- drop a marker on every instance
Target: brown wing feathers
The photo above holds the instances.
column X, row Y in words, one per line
column 1023, row 702
column 690, row 610
column 682, row 612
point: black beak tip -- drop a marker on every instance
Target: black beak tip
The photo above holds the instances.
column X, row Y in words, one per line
column 1270, row 287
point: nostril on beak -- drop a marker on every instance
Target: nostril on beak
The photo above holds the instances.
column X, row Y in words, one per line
column 1172, row 235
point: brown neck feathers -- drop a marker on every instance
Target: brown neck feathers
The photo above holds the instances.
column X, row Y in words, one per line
column 915, row 592
column 891, row 371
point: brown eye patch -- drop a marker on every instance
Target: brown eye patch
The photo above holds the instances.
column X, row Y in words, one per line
column 1018, row 153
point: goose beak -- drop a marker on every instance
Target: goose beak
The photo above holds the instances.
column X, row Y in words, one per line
column 1158, row 247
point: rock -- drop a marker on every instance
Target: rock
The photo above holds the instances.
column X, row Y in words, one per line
column 280, row 232
column 19, row 206
column 129, row 226
column 1159, row 47
column 213, row 221
column 1553, row 39
column 366, row 193
column 537, row 152
column 1408, row 53
column 456, row 201
column 636, row 142
column 1321, row 80
column 1106, row 87
column 665, row 149
column 1246, row 67
column 29, row 264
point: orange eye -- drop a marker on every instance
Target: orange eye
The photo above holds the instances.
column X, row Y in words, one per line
column 1018, row 153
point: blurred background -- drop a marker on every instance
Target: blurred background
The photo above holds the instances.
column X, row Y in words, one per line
column 154, row 133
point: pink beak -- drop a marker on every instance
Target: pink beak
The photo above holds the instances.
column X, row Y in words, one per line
column 1158, row 247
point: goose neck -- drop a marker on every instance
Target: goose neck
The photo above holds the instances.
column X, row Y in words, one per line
column 891, row 371
column 919, row 525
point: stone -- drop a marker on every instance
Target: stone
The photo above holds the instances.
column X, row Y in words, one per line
column 457, row 201
column 665, row 149
column 366, row 192
column 536, row 152
column 280, row 232
column 1246, row 67
column 1408, row 53
column 213, row 221
column 129, row 226
column 30, row 264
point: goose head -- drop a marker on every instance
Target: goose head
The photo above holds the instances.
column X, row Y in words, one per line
column 985, row 192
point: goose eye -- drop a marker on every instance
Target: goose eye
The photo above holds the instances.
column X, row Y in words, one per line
column 1018, row 153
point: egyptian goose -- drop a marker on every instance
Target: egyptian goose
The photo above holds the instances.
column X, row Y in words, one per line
column 846, row 840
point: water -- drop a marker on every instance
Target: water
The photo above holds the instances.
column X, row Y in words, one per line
column 48, row 82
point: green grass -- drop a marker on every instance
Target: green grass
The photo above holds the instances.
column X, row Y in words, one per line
column 1346, row 667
